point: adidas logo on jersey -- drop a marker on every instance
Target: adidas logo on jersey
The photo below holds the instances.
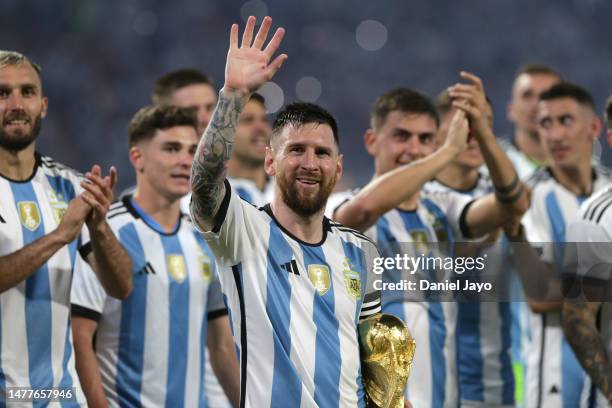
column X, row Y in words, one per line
column 146, row 270
column 553, row 390
column 291, row 267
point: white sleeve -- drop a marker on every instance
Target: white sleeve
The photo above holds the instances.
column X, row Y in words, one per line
column 87, row 294
column 237, row 224
column 335, row 201
column 454, row 206
column 589, row 250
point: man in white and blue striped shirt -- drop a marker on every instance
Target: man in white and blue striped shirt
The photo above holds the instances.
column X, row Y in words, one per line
column 296, row 283
column 43, row 206
column 149, row 350
column 568, row 127
column 398, row 207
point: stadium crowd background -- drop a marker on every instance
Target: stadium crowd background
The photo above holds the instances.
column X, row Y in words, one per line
column 101, row 58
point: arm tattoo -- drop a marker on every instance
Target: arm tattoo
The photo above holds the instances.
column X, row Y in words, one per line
column 215, row 149
column 581, row 331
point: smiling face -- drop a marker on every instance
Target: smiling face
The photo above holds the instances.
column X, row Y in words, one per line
column 163, row 162
column 306, row 163
column 567, row 131
column 252, row 135
column 22, row 106
column 401, row 139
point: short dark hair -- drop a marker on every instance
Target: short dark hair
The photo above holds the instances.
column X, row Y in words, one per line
column 569, row 90
column 535, row 68
column 301, row 113
column 404, row 100
column 150, row 119
column 608, row 113
column 167, row 84
column 258, row 98
column 12, row 58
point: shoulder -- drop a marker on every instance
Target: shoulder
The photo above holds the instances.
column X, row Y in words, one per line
column 539, row 177
column 597, row 208
column 120, row 213
column 350, row 234
column 54, row 168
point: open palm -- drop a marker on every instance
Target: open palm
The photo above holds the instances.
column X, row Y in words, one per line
column 248, row 66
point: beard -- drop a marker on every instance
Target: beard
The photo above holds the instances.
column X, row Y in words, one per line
column 18, row 141
column 305, row 206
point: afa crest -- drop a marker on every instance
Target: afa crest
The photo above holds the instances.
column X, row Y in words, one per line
column 176, row 267
column 205, row 267
column 352, row 280
column 29, row 214
column 320, row 278
column 420, row 241
column 58, row 206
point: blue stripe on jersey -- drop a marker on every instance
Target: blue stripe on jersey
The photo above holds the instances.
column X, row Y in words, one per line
column 132, row 327
column 437, row 337
column 506, row 353
column 468, row 351
column 572, row 377
column 327, row 349
column 178, row 343
column 286, row 384
column 203, row 401
column 244, row 194
column 37, row 301
column 557, row 224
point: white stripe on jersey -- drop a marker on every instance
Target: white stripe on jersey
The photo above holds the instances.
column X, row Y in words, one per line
column 553, row 372
column 297, row 345
column 35, row 336
column 150, row 346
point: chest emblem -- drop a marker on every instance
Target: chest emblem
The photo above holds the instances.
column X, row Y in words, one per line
column 420, row 241
column 29, row 214
column 176, row 267
column 205, row 267
column 319, row 276
column 352, row 280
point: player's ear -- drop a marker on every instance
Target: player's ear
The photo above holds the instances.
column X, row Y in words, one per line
column 596, row 127
column 610, row 137
column 339, row 167
column 269, row 162
column 44, row 107
column 369, row 139
column 136, row 158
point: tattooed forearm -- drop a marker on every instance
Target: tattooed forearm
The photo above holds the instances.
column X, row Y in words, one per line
column 210, row 161
column 581, row 331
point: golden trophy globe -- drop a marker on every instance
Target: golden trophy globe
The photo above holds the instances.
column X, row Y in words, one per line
column 387, row 351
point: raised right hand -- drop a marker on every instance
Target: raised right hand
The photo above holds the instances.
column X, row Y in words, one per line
column 458, row 131
column 248, row 67
column 71, row 224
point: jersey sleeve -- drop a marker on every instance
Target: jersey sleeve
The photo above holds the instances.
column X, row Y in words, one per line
column 335, row 201
column 455, row 206
column 371, row 299
column 215, row 306
column 87, row 294
column 237, row 225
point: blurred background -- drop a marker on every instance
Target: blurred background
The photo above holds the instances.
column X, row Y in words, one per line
column 100, row 58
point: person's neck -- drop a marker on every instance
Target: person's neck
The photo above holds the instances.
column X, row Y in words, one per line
column 529, row 144
column 163, row 210
column 255, row 173
column 307, row 229
column 17, row 165
column 458, row 177
column 577, row 179
column 410, row 204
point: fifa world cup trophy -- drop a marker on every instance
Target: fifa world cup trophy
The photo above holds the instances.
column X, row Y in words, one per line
column 387, row 351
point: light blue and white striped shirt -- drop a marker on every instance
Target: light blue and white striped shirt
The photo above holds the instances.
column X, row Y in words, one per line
column 35, row 335
column 294, row 306
column 150, row 346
